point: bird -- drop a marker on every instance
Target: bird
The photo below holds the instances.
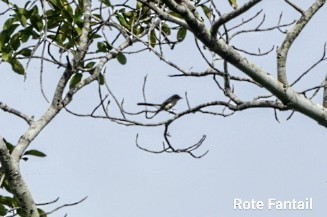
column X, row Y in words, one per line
column 166, row 105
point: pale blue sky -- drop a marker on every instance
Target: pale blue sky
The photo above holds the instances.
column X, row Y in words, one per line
column 250, row 154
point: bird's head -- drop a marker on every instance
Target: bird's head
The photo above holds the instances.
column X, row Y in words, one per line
column 176, row 96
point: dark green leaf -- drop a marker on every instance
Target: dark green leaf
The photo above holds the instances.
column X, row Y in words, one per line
column 3, row 210
column 26, row 52
column 106, row 2
column 6, row 34
column 7, row 201
column 90, row 65
column 181, row 34
column 165, row 28
column 37, row 22
column 21, row 15
column 101, row 79
column 55, row 4
column 54, row 22
column 10, row 146
column 121, row 58
column 95, row 36
column 42, row 213
column 17, row 66
column 35, row 153
column 52, row 13
column 102, row 47
column 78, row 16
column 153, row 38
column 8, row 23
column 66, row 14
column 76, row 78
column 15, row 41
column 26, row 34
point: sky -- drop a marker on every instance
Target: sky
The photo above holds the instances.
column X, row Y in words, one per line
column 251, row 155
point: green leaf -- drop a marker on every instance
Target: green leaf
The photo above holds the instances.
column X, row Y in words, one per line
column 55, row 4
column 106, row 2
column 53, row 22
column 7, row 56
column 17, row 66
column 10, row 146
column 21, row 15
column 233, row 3
column 26, row 52
column 166, row 29
column 15, row 41
column 8, row 201
column 181, row 34
column 42, row 213
column 35, row 153
column 121, row 58
column 101, row 47
column 153, row 38
column 37, row 22
column 78, row 16
column 8, row 23
column 101, row 79
column 90, row 65
column 6, row 33
column 207, row 11
column 3, row 210
column 76, row 78
column 27, row 33
column 67, row 13
column 122, row 20
column 138, row 30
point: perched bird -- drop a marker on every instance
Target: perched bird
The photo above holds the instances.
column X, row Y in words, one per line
column 166, row 105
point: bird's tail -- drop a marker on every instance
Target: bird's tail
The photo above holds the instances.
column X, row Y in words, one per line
column 147, row 104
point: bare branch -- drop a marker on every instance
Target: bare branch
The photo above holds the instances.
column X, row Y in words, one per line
column 66, row 205
column 324, row 101
column 255, row 54
column 227, row 17
column 13, row 111
column 297, row 8
column 47, row 203
column 284, row 93
column 290, row 38
column 168, row 148
column 259, row 29
column 323, row 58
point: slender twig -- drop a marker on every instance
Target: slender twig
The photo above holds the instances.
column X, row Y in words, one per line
column 65, row 205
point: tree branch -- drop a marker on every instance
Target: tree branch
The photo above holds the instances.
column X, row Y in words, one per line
column 227, row 17
column 17, row 184
column 286, row 94
column 324, row 101
column 13, row 111
column 290, row 38
column 295, row 7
